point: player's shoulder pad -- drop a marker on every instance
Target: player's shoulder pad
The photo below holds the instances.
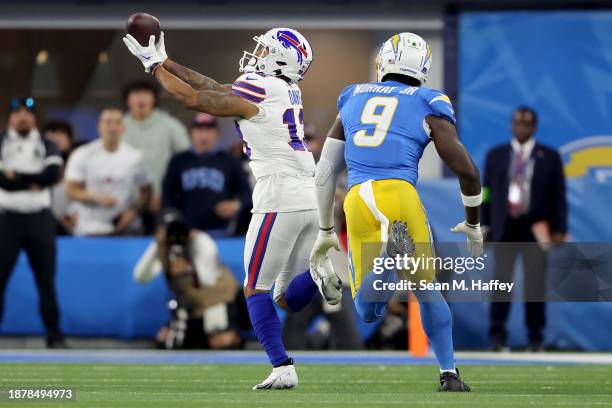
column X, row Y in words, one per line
column 438, row 103
column 344, row 95
column 253, row 87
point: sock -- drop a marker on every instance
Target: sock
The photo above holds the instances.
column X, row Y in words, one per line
column 300, row 291
column 438, row 325
column 267, row 327
column 370, row 303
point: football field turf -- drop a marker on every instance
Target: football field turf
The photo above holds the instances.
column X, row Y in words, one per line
column 321, row 385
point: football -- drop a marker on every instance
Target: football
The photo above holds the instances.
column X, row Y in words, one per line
column 142, row 26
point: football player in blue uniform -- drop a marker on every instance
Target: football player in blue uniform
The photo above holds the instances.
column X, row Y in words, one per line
column 380, row 133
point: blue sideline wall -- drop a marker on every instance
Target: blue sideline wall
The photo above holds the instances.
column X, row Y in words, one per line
column 98, row 296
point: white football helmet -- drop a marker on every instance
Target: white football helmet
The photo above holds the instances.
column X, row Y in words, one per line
column 405, row 54
column 288, row 54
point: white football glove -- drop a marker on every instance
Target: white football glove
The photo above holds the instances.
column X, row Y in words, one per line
column 325, row 240
column 474, row 237
column 322, row 270
column 147, row 55
column 161, row 48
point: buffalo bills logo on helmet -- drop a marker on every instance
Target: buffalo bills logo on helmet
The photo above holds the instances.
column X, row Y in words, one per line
column 289, row 40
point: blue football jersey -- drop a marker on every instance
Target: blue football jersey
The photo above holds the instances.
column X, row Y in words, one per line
column 385, row 129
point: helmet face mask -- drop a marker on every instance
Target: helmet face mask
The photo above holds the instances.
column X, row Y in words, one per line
column 404, row 54
column 254, row 61
column 278, row 52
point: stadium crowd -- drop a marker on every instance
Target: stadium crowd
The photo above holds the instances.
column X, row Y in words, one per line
column 143, row 160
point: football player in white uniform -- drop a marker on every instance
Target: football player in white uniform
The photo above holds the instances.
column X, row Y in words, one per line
column 267, row 104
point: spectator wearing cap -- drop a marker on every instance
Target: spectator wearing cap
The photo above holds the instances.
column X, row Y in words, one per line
column 156, row 134
column 107, row 181
column 206, row 184
column 30, row 165
column 60, row 133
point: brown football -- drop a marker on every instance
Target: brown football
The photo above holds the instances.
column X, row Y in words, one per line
column 142, row 26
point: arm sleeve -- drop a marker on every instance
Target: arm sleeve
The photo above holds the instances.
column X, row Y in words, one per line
column 171, row 187
column 49, row 176
column 15, row 184
column 329, row 167
column 558, row 222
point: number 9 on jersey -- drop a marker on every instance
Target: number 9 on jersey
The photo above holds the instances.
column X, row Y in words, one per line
column 378, row 111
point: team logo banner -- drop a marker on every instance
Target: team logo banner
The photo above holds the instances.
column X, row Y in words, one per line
column 558, row 63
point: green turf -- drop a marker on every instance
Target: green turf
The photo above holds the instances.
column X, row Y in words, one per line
column 108, row 385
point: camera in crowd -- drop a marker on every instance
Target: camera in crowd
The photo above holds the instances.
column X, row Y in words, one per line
column 204, row 311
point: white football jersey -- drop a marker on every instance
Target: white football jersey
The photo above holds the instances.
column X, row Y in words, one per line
column 274, row 142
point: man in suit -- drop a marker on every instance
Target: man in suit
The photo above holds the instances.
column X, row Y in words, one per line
column 524, row 185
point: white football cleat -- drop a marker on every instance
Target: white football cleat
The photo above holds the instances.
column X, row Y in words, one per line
column 281, row 378
column 327, row 280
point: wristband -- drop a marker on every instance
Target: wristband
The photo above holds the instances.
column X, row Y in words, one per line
column 154, row 67
column 472, row 201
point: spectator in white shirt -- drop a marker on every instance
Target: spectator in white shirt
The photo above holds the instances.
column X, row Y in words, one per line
column 107, row 181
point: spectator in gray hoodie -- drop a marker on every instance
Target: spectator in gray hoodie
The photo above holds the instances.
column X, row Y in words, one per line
column 156, row 134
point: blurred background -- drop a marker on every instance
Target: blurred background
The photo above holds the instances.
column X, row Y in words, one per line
column 489, row 56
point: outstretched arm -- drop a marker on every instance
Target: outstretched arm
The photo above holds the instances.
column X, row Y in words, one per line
column 329, row 167
column 454, row 154
column 196, row 80
column 218, row 103
column 458, row 159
